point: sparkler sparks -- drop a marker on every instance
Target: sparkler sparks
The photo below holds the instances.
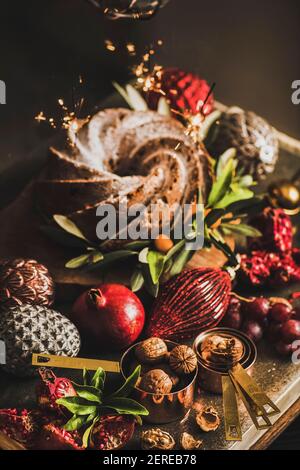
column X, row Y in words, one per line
column 68, row 119
column 110, row 46
column 149, row 79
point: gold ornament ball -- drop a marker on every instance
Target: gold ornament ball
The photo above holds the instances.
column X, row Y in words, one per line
column 286, row 195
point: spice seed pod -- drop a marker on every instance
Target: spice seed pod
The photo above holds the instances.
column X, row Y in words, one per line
column 190, row 303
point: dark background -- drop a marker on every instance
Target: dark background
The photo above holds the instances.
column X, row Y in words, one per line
column 251, row 49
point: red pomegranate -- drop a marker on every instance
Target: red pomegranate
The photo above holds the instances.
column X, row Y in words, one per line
column 109, row 315
column 190, row 303
column 20, row 425
column 53, row 436
column 112, row 432
column 51, row 388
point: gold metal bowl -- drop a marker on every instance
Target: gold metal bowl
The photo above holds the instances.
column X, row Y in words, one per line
column 210, row 375
column 164, row 408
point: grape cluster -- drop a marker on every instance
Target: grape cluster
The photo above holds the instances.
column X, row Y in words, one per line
column 276, row 319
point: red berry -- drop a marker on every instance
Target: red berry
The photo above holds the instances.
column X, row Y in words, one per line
column 285, row 349
column 233, row 317
column 281, row 310
column 297, row 313
column 296, row 308
column 274, row 332
column 291, row 331
column 257, row 310
column 253, row 330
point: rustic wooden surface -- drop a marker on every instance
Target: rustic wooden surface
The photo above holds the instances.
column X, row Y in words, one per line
column 285, row 421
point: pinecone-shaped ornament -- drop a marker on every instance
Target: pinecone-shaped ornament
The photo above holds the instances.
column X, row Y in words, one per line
column 25, row 281
column 184, row 91
column 28, row 329
column 253, row 138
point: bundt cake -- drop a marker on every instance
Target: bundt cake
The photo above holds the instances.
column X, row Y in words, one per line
column 122, row 156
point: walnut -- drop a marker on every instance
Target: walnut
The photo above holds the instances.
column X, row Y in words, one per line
column 156, row 381
column 220, row 349
column 183, row 360
column 208, row 419
column 188, row 442
column 167, row 369
column 151, row 350
column 157, row 439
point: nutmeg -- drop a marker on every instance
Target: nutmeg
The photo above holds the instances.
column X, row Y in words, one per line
column 151, row 351
column 157, row 439
column 222, row 349
column 183, row 360
column 208, row 419
column 156, row 381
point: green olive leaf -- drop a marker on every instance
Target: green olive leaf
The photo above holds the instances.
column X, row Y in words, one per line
column 156, row 263
column 208, row 124
column 75, row 406
column 163, row 107
column 143, row 256
column 86, row 436
column 137, row 245
column 74, row 423
column 175, row 249
column 223, row 160
column 86, row 377
column 126, row 406
column 76, row 263
column 111, row 258
column 180, row 261
column 128, row 385
column 242, row 229
column 221, row 185
column 137, row 280
column 88, row 392
column 69, row 226
column 237, row 194
column 136, row 100
column 98, row 379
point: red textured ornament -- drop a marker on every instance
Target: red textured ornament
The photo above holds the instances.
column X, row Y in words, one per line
column 190, row 303
column 277, row 231
column 183, row 90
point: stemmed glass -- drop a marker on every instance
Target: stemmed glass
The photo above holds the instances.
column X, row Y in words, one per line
column 136, row 9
